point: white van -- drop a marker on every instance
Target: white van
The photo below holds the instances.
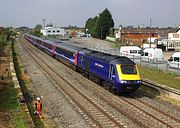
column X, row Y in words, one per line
column 174, row 61
column 130, row 51
column 152, row 54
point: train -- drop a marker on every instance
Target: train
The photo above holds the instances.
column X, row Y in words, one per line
column 117, row 73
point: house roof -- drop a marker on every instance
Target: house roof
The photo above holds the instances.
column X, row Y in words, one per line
column 174, row 30
column 53, row 27
column 163, row 32
column 140, row 30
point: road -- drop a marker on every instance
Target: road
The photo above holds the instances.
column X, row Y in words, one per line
column 95, row 43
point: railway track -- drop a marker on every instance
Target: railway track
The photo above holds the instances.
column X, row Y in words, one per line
column 117, row 105
column 93, row 113
column 166, row 91
column 148, row 112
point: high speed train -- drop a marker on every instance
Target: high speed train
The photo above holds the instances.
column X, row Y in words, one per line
column 117, row 73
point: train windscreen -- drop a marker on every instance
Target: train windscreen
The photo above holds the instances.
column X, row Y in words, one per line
column 128, row 69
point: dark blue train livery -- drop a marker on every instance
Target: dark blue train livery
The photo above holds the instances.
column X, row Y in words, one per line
column 117, row 73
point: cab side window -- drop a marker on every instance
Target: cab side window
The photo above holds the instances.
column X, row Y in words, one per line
column 113, row 71
column 81, row 58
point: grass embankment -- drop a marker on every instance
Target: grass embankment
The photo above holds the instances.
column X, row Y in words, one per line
column 11, row 114
column 158, row 76
column 23, row 83
column 11, row 108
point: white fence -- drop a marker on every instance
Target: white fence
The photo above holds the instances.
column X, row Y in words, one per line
column 170, row 44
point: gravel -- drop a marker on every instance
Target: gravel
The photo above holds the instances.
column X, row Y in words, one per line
column 55, row 106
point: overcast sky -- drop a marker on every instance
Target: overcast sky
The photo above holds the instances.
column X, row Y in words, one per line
column 29, row 13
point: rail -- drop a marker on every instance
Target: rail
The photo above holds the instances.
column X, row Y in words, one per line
column 164, row 90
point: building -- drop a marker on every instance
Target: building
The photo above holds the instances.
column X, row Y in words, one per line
column 142, row 35
column 54, row 30
column 173, row 40
column 174, row 34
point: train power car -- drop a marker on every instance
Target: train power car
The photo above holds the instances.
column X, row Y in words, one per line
column 115, row 72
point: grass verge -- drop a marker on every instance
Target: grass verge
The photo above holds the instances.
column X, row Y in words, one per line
column 8, row 96
column 29, row 100
column 10, row 106
column 10, row 111
column 158, row 76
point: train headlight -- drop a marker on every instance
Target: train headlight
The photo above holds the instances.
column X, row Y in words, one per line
column 123, row 82
column 138, row 81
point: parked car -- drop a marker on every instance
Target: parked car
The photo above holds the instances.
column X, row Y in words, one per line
column 174, row 60
column 152, row 54
column 130, row 51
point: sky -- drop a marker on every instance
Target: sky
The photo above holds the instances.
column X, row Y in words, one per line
column 17, row 13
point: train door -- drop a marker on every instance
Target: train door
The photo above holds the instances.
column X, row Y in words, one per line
column 112, row 73
column 81, row 60
column 53, row 50
column 87, row 64
column 76, row 58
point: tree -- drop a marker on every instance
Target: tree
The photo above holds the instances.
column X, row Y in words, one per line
column 90, row 25
column 105, row 22
column 38, row 26
column 6, row 34
column 37, row 30
column 99, row 27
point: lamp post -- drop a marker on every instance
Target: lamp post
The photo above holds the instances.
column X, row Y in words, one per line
column 150, row 34
column 87, row 32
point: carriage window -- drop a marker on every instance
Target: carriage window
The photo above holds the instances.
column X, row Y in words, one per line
column 71, row 54
column 128, row 69
column 48, row 46
column 58, row 50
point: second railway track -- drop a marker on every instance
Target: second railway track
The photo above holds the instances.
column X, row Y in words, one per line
column 99, row 116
